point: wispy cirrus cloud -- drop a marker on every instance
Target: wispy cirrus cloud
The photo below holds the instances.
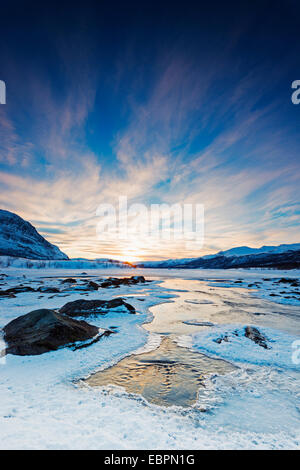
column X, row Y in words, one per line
column 197, row 128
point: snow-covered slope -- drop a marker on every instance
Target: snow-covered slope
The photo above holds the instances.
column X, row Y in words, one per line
column 19, row 238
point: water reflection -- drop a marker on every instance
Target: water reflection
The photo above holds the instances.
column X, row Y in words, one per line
column 173, row 375
column 170, row 375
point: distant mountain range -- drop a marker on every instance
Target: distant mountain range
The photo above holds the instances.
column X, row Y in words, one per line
column 246, row 250
column 286, row 256
column 19, row 239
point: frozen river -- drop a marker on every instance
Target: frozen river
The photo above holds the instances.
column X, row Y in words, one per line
column 181, row 373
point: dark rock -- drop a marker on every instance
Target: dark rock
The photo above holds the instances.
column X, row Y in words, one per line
column 108, row 283
column 93, row 307
column 286, row 281
column 137, row 279
column 250, row 332
column 4, row 293
column 44, row 330
column 69, row 280
column 93, row 285
column 255, row 335
column 222, row 338
column 48, row 290
column 19, row 289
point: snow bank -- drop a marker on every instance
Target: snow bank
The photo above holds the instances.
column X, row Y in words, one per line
column 76, row 263
column 42, row 405
column 238, row 348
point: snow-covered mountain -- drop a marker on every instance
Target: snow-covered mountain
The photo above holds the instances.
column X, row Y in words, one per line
column 282, row 256
column 246, row 250
column 20, row 242
column 19, row 238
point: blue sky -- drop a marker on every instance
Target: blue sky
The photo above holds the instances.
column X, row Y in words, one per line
column 165, row 104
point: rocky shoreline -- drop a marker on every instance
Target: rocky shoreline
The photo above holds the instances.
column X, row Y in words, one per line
column 45, row 330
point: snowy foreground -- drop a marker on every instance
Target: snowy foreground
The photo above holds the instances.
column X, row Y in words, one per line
column 44, row 404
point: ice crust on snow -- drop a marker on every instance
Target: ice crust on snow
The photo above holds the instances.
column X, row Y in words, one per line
column 239, row 348
column 43, row 406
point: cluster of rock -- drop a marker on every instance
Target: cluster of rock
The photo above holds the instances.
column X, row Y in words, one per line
column 89, row 286
column 12, row 291
column 110, row 282
column 249, row 332
column 289, row 286
column 125, row 281
column 289, row 281
column 46, row 330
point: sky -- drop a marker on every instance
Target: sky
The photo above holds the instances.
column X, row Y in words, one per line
column 161, row 104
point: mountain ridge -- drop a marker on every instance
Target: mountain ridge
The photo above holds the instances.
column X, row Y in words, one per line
column 239, row 257
column 20, row 239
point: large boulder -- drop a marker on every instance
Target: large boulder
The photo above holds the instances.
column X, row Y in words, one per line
column 44, row 330
column 81, row 307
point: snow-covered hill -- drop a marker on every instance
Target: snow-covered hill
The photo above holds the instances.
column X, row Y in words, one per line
column 19, row 238
column 246, row 250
